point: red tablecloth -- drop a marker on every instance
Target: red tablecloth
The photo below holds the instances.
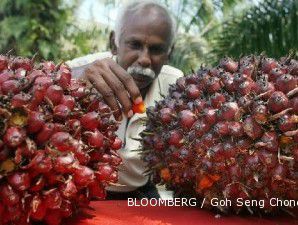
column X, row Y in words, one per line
column 119, row 213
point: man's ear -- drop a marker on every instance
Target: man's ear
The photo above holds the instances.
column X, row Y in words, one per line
column 171, row 52
column 112, row 43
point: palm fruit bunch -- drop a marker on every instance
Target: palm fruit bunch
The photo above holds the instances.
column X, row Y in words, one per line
column 228, row 132
column 57, row 143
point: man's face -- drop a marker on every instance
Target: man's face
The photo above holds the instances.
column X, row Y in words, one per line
column 144, row 42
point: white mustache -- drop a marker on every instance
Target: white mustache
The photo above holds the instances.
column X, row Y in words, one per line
column 141, row 71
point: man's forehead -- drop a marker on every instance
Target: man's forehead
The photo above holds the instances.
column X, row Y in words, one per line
column 137, row 26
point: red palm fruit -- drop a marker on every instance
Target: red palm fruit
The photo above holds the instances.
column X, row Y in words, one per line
column 36, row 121
column 269, row 141
column 103, row 107
column 117, row 144
column 52, row 199
column 287, row 122
column 260, row 114
column 221, row 128
column 5, row 75
column 66, row 209
column 139, row 108
column 235, row 129
column 244, row 101
column 229, row 111
column 268, row 64
column 3, row 62
column 199, row 105
column 64, row 163
column 245, row 87
column 208, row 139
column 39, row 92
column 191, row 79
column 104, row 172
column 19, row 181
column 97, row 190
column 83, row 176
column 32, row 75
column 20, row 100
column 286, row 83
column 213, row 85
column 37, row 184
column 68, row 101
column 230, row 150
column 229, row 65
column 228, row 81
column 48, row 66
column 61, row 112
column 192, row 91
column 235, row 172
column 279, row 172
column 63, row 78
column 247, row 69
column 20, row 74
column 23, row 63
column 275, row 74
column 115, row 160
column 266, row 89
column 63, row 141
column 11, row 87
column 217, row 100
column 45, row 133
column 240, row 78
column 278, row 102
column 175, row 137
column 253, row 162
column 78, row 89
column 8, row 195
column 166, row 115
column 252, row 128
column 43, row 81
column 210, row 116
column 14, row 136
column 95, row 138
column 74, row 127
column 201, row 127
column 82, row 156
column 293, row 67
column 294, row 104
column 54, row 93
column 186, row 119
column 90, row 121
column 68, row 189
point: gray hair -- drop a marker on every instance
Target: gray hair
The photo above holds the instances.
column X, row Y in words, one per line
column 136, row 6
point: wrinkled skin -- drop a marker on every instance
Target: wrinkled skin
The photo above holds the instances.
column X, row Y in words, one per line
column 144, row 41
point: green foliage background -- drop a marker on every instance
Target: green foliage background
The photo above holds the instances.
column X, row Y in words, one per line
column 207, row 29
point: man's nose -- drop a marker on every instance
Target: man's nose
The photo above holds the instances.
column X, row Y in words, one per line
column 144, row 59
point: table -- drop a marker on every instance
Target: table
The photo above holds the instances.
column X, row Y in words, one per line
column 119, row 213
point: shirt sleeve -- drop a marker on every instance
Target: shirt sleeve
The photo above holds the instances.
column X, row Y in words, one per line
column 78, row 65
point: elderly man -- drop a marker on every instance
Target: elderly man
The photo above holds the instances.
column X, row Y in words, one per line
column 134, row 71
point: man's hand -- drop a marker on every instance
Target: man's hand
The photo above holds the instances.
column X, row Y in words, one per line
column 113, row 83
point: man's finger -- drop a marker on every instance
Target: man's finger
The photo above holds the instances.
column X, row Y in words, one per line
column 119, row 89
column 106, row 92
column 128, row 82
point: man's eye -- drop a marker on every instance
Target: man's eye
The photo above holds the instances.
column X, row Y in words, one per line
column 134, row 45
column 156, row 50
